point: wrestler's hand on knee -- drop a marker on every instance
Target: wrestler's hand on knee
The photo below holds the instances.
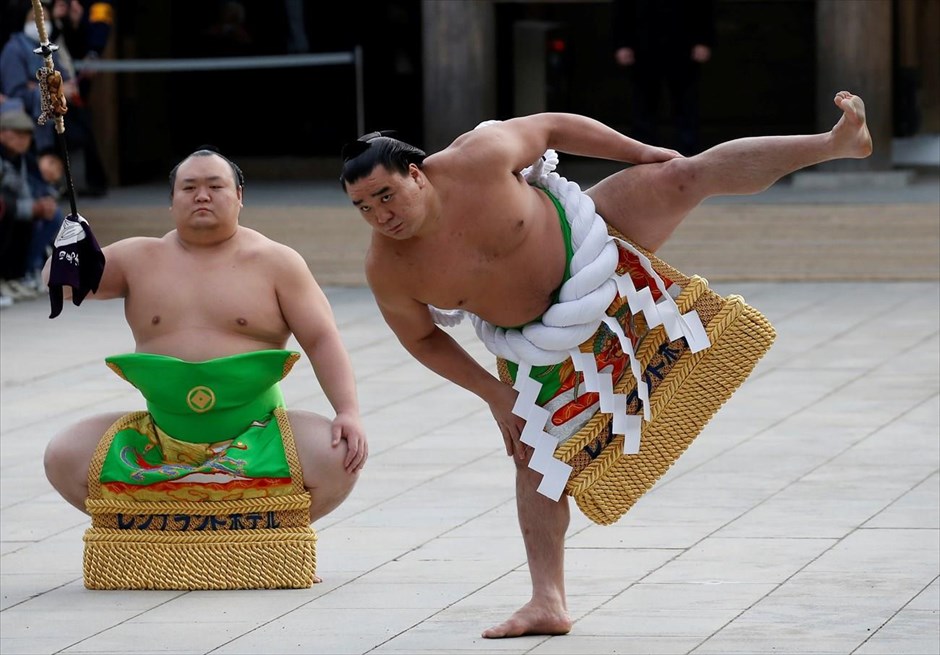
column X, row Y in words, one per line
column 349, row 427
column 509, row 424
column 512, row 439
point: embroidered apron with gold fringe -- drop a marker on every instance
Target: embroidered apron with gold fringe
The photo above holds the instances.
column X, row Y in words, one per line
column 624, row 370
column 685, row 390
column 204, row 490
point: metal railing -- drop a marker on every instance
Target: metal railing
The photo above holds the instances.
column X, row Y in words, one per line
column 237, row 63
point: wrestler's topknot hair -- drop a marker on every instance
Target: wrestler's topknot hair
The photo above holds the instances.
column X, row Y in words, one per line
column 206, row 151
column 360, row 157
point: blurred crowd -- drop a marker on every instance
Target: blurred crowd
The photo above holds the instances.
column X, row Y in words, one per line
column 33, row 180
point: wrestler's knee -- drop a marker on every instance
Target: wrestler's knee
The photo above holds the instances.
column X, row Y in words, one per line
column 522, row 465
column 54, row 461
column 329, row 486
column 680, row 180
column 64, row 453
column 68, row 456
column 323, row 464
column 639, row 199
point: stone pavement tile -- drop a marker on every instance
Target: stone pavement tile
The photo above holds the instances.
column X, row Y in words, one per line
column 177, row 637
column 71, row 632
column 844, row 436
column 314, row 629
column 622, row 645
column 607, row 571
column 909, row 631
column 402, row 594
column 487, row 554
column 34, row 644
column 658, row 622
column 456, row 631
column 364, row 548
column 669, row 536
column 928, row 600
column 803, row 629
column 895, row 554
column 840, row 599
column 689, row 596
column 451, row 634
column 23, row 483
column 34, row 582
column 676, row 510
column 915, row 509
column 56, row 554
column 723, row 560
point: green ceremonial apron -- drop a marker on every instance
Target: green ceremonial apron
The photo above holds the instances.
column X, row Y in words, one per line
column 211, row 431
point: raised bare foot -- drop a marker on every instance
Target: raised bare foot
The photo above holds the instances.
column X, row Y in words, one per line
column 851, row 134
column 531, row 620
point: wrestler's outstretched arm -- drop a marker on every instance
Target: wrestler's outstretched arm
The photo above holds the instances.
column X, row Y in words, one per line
column 118, row 256
column 520, row 141
column 411, row 322
column 310, row 318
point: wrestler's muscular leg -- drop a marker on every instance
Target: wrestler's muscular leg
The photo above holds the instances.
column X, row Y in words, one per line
column 543, row 522
column 646, row 203
column 324, row 475
column 69, row 454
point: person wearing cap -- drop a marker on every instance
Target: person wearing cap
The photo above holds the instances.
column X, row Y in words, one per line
column 30, row 212
column 18, row 65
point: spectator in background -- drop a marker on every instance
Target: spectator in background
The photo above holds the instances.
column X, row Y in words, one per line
column 50, row 183
column 18, row 65
column 86, row 27
column 83, row 28
column 665, row 43
column 30, row 212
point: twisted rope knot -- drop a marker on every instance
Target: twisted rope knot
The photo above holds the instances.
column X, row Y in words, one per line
column 582, row 299
column 52, row 100
column 584, row 296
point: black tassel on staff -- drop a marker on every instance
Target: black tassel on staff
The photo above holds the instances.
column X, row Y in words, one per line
column 77, row 261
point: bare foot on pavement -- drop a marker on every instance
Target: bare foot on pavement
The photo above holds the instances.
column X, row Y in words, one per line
column 531, row 620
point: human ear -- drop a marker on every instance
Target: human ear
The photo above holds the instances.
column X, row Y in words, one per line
column 416, row 174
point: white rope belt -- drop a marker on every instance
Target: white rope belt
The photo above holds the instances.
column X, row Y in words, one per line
column 581, row 308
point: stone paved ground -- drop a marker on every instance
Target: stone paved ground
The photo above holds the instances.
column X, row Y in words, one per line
column 804, row 519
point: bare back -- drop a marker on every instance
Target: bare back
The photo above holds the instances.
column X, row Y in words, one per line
column 198, row 304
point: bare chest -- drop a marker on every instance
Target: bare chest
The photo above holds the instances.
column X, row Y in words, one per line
column 205, row 302
column 504, row 268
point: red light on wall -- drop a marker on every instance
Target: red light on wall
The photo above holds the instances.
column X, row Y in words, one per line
column 556, row 45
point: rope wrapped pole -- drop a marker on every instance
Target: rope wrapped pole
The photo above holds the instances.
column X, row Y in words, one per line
column 52, row 95
column 77, row 261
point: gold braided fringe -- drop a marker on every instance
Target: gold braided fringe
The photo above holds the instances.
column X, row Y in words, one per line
column 604, row 481
column 684, row 404
column 695, row 386
column 253, row 543
column 248, row 559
